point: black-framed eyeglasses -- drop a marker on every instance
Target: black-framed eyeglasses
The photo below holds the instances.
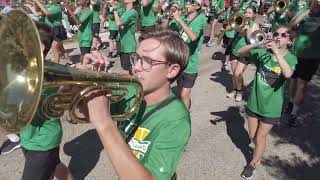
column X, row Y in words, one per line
column 145, row 62
column 283, row 35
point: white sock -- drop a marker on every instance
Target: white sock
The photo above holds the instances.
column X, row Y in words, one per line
column 13, row 137
column 295, row 109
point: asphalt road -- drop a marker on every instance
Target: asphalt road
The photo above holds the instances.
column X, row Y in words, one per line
column 219, row 144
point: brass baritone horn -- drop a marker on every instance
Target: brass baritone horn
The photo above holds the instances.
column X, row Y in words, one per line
column 236, row 21
column 280, row 5
column 25, row 76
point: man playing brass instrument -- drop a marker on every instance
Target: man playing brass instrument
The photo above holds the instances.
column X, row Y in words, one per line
column 157, row 142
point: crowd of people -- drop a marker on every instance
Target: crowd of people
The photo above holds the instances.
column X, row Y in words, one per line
column 150, row 144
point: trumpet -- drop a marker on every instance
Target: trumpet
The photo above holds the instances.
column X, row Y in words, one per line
column 236, row 21
column 259, row 38
column 280, row 5
column 25, row 78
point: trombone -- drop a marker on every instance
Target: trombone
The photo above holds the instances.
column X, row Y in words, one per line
column 25, row 78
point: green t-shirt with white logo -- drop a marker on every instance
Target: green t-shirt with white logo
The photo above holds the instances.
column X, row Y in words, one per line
column 85, row 31
column 297, row 6
column 55, row 17
column 148, row 18
column 127, row 31
column 232, row 33
column 267, row 95
column 246, row 4
column 307, row 41
column 42, row 133
column 96, row 10
column 197, row 25
column 159, row 142
column 216, row 6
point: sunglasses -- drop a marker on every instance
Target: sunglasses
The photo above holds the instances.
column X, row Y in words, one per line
column 283, row 35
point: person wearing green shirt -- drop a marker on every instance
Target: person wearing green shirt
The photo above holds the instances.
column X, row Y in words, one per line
column 238, row 65
column 217, row 7
column 190, row 28
column 96, row 27
column 114, row 40
column 41, row 139
column 155, row 146
column 83, row 19
column 296, row 7
column 307, row 49
column 275, row 64
column 148, row 16
column 126, row 23
column 53, row 17
column 229, row 35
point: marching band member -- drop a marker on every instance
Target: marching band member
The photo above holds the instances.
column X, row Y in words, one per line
column 274, row 65
column 191, row 29
column 216, row 9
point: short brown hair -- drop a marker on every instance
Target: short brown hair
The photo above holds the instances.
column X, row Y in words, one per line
column 176, row 50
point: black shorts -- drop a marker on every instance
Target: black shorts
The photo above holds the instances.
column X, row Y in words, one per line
column 95, row 29
column 243, row 60
column 84, row 50
column 113, row 34
column 59, row 33
column 146, row 29
column 186, row 80
column 306, row 68
column 40, row 165
column 227, row 43
column 125, row 61
column 266, row 120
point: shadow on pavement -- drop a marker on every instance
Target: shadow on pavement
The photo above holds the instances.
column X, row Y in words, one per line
column 224, row 78
column 84, row 151
column 235, row 129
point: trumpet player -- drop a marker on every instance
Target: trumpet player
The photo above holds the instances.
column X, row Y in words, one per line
column 191, row 30
column 275, row 64
column 239, row 64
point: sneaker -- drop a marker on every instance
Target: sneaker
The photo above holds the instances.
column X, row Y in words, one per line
column 210, row 43
column 238, row 97
column 288, row 108
column 9, row 146
column 231, row 95
column 248, row 172
column 293, row 121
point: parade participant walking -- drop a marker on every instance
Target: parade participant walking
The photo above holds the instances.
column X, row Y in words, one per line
column 274, row 65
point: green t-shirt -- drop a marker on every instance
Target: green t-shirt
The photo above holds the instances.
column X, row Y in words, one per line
column 112, row 24
column 232, row 33
column 159, row 142
column 278, row 19
column 240, row 41
column 246, row 4
column 197, row 25
column 85, row 31
column 307, row 41
column 148, row 18
column 95, row 11
column 267, row 95
column 127, row 33
column 216, row 6
column 297, row 6
column 55, row 17
column 43, row 133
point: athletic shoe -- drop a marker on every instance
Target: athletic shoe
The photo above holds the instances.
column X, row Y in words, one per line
column 288, row 108
column 103, row 46
column 293, row 121
column 248, row 172
column 9, row 146
column 210, row 43
column 238, row 97
column 231, row 95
